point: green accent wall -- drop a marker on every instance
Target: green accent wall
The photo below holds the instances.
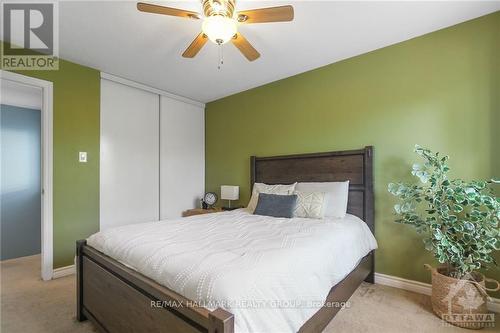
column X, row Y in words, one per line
column 76, row 128
column 439, row 90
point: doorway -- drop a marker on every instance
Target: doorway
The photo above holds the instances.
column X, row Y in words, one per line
column 26, row 169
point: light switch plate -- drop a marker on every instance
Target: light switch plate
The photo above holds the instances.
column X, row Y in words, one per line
column 82, row 157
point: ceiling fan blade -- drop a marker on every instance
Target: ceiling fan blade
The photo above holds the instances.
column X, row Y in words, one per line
column 263, row 15
column 195, row 46
column 156, row 9
column 245, row 47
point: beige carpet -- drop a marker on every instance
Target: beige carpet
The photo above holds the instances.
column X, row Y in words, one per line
column 31, row 305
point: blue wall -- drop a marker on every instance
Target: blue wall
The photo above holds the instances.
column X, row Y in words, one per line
column 20, row 182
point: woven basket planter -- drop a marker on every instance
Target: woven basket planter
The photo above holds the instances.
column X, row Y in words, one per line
column 461, row 302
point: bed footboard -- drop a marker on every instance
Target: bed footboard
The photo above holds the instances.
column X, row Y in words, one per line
column 118, row 299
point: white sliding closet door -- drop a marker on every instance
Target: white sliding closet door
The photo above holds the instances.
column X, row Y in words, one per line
column 129, row 166
column 182, row 156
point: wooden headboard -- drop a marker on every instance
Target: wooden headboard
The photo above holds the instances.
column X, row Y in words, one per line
column 353, row 165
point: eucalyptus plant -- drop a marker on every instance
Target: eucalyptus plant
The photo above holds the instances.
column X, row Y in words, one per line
column 459, row 220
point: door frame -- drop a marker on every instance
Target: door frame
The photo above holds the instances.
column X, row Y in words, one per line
column 46, row 165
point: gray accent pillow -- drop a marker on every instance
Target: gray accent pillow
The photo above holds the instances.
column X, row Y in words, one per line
column 276, row 205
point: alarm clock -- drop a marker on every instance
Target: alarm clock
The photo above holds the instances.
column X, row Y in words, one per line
column 209, row 199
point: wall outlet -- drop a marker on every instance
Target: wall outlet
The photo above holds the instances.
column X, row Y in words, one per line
column 82, row 157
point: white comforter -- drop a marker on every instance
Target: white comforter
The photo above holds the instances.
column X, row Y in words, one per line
column 273, row 274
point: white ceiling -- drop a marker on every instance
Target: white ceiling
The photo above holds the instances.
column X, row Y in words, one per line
column 116, row 38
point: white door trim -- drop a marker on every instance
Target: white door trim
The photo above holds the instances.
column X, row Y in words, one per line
column 47, row 173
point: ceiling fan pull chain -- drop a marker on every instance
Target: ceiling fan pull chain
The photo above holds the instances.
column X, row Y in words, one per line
column 221, row 57
column 218, row 64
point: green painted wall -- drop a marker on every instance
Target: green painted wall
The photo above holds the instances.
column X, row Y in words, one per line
column 76, row 128
column 440, row 90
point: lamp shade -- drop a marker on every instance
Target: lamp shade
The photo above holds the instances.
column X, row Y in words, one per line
column 229, row 192
column 219, row 29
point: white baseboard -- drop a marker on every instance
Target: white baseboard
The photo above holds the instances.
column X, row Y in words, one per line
column 421, row 288
column 63, row 271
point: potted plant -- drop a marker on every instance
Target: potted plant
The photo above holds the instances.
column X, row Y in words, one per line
column 459, row 222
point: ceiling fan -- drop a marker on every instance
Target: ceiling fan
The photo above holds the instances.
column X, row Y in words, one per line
column 220, row 23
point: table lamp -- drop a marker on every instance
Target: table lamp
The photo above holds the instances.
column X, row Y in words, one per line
column 229, row 192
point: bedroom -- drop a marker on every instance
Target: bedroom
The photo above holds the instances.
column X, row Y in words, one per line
column 136, row 130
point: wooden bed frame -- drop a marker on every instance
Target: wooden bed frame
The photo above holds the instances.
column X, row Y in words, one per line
column 118, row 299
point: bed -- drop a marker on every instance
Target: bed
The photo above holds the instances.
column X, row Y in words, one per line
column 122, row 284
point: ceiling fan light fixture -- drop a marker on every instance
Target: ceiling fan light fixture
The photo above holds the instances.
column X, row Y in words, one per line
column 219, row 29
column 221, row 21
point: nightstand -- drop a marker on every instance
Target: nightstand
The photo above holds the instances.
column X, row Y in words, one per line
column 199, row 211
column 231, row 208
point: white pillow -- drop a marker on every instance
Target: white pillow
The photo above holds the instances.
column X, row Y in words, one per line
column 310, row 204
column 268, row 189
column 337, row 194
